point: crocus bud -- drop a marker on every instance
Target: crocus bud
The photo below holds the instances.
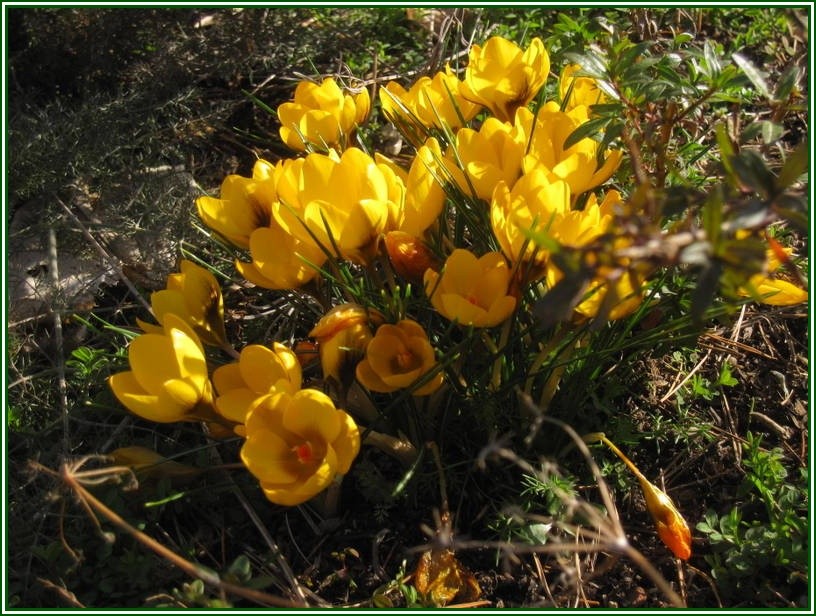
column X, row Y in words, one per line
column 409, row 255
column 342, row 336
column 671, row 526
column 306, row 352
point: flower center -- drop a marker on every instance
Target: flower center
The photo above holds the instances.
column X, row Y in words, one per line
column 405, row 360
column 303, row 452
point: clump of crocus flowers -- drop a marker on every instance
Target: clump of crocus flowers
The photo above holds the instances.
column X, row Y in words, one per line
column 450, row 243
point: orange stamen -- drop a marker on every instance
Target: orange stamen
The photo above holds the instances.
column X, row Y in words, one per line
column 303, row 452
column 405, row 359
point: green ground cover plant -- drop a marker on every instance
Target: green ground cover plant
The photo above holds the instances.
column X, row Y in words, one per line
column 473, row 307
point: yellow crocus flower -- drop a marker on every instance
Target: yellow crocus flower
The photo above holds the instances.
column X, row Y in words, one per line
column 503, row 78
column 768, row 289
column 435, row 102
column 322, row 116
column 342, row 336
column 577, row 165
column 535, row 203
column 472, row 290
column 280, row 260
column 482, row 158
column 245, row 204
column 672, row 527
column 777, row 292
column 581, row 90
column 424, row 195
column 244, row 216
column 168, row 380
column 296, row 444
column 260, row 370
column 578, row 228
column 397, row 357
column 343, row 202
column 194, row 295
column 409, row 255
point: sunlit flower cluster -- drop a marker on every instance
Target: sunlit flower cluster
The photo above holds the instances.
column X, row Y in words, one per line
column 398, row 260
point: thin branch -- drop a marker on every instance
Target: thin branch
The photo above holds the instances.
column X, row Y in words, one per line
column 73, row 481
column 62, row 386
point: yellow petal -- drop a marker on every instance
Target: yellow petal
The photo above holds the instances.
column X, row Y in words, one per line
column 362, row 105
column 347, row 444
column 252, row 274
column 149, row 328
column 320, row 128
column 282, row 261
column 227, row 377
column 168, row 302
column 316, row 175
column 778, row 292
column 461, row 271
column 494, row 279
column 188, row 354
column 182, row 392
column 153, row 361
column 202, row 296
column 431, row 386
column 260, row 368
column 301, row 491
column 500, row 310
column 458, row 308
column 289, row 361
column 311, row 413
column 235, row 404
column 237, row 213
column 270, row 458
column 139, row 402
column 125, row 384
column 370, row 379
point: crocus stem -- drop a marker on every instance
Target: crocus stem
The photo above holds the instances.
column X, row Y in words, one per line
column 563, row 355
column 497, row 365
column 494, row 350
column 602, row 437
column 401, row 449
column 543, row 356
column 230, row 350
column 331, row 498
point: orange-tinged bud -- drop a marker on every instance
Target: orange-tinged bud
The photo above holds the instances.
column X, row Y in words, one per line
column 342, row 336
column 409, row 255
column 306, row 352
column 671, row 526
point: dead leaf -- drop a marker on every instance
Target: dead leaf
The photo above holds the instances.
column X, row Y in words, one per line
column 440, row 578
